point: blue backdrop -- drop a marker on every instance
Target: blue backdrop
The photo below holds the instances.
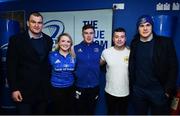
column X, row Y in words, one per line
column 125, row 18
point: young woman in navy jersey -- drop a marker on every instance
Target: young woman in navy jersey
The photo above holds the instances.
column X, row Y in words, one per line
column 62, row 77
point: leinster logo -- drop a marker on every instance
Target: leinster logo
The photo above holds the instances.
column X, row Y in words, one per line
column 4, row 47
column 53, row 28
column 3, row 51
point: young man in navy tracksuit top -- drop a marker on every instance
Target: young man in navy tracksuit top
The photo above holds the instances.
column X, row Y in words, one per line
column 87, row 72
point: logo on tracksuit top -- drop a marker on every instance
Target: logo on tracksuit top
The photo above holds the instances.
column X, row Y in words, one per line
column 80, row 50
column 95, row 50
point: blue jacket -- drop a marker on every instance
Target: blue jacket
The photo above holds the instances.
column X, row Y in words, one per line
column 62, row 69
column 87, row 68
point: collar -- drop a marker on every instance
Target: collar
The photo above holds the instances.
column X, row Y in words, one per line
column 85, row 44
column 31, row 35
column 63, row 55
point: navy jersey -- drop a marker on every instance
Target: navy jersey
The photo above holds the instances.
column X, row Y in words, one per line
column 62, row 69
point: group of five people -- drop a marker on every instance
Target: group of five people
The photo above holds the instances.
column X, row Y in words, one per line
column 69, row 76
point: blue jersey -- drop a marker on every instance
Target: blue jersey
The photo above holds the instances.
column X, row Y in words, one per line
column 88, row 67
column 62, row 69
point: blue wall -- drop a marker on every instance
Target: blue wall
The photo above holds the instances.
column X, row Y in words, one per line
column 126, row 18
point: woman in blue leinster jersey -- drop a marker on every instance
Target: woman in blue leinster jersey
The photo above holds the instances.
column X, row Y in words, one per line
column 62, row 77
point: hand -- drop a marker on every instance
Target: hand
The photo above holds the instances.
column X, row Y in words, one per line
column 102, row 62
column 17, row 97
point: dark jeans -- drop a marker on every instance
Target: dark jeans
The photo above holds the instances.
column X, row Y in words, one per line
column 32, row 108
column 116, row 105
column 150, row 102
column 86, row 99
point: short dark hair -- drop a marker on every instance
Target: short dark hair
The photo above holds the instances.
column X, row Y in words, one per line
column 35, row 14
column 88, row 26
column 120, row 29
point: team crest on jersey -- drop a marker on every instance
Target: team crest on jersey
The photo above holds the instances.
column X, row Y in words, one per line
column 96, row 49
column 80, row 50
column 57, row 61
column 72, row 60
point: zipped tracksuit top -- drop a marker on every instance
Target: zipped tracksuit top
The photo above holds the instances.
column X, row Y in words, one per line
column 88, row 64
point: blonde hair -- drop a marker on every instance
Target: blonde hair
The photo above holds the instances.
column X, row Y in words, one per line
column 59, row 38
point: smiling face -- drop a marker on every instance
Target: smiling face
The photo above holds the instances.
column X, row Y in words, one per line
column 65, row 43
column 119, row 39
column 145, row 30
column 35, row 24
